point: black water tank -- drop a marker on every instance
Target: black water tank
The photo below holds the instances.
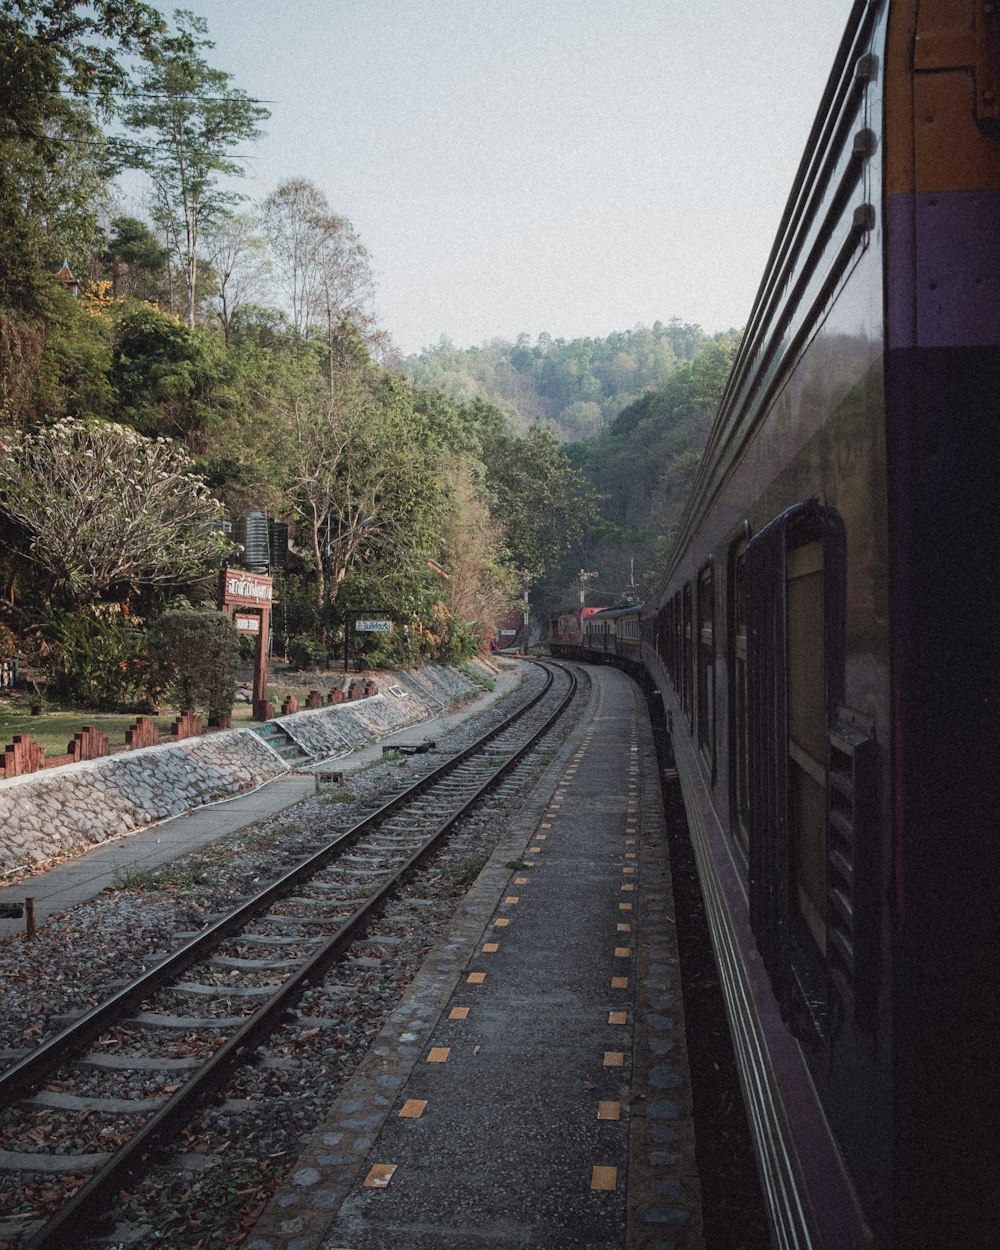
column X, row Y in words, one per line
column 250, row 531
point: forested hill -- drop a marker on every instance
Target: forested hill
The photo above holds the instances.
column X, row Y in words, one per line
column 577, row 387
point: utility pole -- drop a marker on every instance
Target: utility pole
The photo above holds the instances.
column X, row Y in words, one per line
column 584, row 579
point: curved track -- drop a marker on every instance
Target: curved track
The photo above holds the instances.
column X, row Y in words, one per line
column 334, row 893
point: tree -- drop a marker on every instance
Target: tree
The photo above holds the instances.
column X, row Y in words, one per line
column 480, row 586
column 190, row 120
column 135, row 258
column 235, row 251
column 542, row 502
column 50, row 147
column 321, row 264
column 354, row 453
column 99, row 508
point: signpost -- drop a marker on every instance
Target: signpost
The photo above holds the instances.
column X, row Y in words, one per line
column 366, row 621
column 247, row 598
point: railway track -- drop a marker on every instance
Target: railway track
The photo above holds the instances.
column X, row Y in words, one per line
column 197, row 1020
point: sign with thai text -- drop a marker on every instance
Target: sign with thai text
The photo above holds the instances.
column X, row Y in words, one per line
column 250, row 589
column 247, row 624
column 373, row 627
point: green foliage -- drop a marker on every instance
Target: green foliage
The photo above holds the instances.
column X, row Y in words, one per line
column 60, row 62
column 136, row 260
column 195, row 660
column 73, row 378
column 95, row 508
column 93, row 658
column 576, row 387
column 167, row 377
column 190, row 119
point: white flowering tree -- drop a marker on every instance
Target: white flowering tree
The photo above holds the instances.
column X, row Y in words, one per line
column 97, row 507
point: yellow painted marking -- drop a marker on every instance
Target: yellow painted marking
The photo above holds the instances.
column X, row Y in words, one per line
column 629, row 868
column 619, row 983
column 545, row 826
column 609, row 1111
column 534, row 850
column 540, row 837
column 476, row 978
column 412, row 1109
column 630, row 854
column 604, row 1179
column 628, row 886
column 614, row 1059
column 622, row 952
column 624, row 927
column 511, row 899
column 617, row 1017
column 379, row 1176
column 490, row 948
column 520, row 880
column 438, row 1054
column 630, row 841
column 501, row 923
column 624, row 906
column 458, row 1013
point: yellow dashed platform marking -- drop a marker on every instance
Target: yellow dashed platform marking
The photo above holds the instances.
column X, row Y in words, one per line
column 511, row 899
column 622, row 952
column 629, row 868
column 624, row 906
column 490, row 948
column 630, row 854
column 628, row 886
column 520, row 880
column 545, row 826
column 476, row 978
column 438, row 1054
column 617, row 1017
column 609, row 1111
column 540, row 837
column 412, row 1109
column 619, row 983
column 458, row 1013
column 624, row 927
column 379, row 1176
column 614, row 1059
column 502, row 923
column 605, row 1179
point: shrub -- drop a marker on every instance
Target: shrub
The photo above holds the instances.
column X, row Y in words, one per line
column 195, row 660
column 94, row 657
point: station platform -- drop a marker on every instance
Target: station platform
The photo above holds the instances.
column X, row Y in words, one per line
column 532, row 1089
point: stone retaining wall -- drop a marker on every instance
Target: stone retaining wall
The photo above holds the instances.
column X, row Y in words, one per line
column 60, row 811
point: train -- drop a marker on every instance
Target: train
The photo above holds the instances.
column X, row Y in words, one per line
column 824, row 639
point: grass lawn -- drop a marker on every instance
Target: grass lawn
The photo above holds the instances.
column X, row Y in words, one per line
column 55, row 727
column 53, row 730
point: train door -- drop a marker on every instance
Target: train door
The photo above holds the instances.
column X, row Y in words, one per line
column 736, row 600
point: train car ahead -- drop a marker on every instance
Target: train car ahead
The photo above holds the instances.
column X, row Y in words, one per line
column 825, row 639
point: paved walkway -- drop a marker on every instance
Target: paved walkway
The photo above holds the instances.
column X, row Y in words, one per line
column 531, row 1092
column 76, row 880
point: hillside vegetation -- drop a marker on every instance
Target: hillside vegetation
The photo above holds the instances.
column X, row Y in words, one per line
column 577, row 386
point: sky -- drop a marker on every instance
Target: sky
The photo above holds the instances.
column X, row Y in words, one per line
column 573, row 167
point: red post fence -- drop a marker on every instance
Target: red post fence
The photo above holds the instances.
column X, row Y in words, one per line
column 26, row 756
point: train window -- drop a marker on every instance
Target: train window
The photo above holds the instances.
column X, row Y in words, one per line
column 795, row 586
column 807, row 729
column 739, row 758
column 706, row 664
column 687, row 657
